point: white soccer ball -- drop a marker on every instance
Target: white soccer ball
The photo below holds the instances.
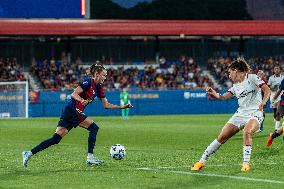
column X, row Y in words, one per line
column 117, row 152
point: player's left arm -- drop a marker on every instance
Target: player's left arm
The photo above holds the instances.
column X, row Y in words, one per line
column 278, row 92
column 108, row 105
column 261, row 84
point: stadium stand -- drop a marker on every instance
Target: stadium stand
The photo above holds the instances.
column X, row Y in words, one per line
column 183, row 73
column 10, row 70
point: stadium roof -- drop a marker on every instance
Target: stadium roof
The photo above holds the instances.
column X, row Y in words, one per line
column 138, row 27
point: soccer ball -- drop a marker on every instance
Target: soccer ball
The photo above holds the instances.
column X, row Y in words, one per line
column 117, row 152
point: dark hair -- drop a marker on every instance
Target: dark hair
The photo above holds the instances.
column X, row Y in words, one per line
column 240, row 64
column 94, row 68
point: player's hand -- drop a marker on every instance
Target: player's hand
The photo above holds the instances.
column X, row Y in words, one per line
column 272, row 103
column 128, row 106
column 209, row 90
column 260, row 107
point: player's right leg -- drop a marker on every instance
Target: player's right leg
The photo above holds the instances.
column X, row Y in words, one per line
column 55, row 139
column 64, row 126
column 274, row 135
column 250, row 128
column 270, row 139
column 278, row 131
column 261, row 128
column 26, row 155
column 227, row 132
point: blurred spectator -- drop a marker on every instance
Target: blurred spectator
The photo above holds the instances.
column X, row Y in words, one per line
column 10, row 70
column 183, row 73
column 57, row 75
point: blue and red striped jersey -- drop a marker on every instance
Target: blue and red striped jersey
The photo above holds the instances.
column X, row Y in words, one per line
column 281, row 87
column 91, row 90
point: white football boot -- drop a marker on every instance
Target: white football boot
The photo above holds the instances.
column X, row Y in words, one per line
column 26, row 156
column 91, row 159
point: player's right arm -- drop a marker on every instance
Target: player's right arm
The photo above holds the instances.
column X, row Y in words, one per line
column 269, row 82
column 278, row 92
column 77, row 97
column 219, row 96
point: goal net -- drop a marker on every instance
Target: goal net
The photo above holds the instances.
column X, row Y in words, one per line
column 14, row 99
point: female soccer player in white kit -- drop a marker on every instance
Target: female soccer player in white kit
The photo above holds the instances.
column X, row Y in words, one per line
column 273, row 83
column 247, row 89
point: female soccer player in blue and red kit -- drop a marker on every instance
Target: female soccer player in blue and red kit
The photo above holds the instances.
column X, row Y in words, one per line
column 73, row 114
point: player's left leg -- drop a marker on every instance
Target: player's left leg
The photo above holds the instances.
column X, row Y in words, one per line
column 250, row 128
column 93, row 129
column 276, row 115
column 274, row 135
column 261, row 128
column 278, row 131
column 227, row 132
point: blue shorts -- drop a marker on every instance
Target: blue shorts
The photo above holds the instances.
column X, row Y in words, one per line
column 71, row 118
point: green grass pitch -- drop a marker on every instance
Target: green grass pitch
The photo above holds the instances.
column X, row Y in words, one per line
column 160, row 151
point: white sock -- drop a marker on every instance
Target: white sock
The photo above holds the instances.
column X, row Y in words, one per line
column 277, row 124
column 212, row 148
column 246, row 154
column 90, row 155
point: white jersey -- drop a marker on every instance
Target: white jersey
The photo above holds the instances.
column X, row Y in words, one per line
column 248, row 93
column 272, row 81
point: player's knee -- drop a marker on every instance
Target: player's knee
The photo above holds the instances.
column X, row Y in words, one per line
column 247, row 132
column 93, row 128
column 221, row 139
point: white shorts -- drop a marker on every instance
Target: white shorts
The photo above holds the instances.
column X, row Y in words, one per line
column 240, row 119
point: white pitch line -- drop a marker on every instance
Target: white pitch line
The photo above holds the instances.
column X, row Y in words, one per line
column 213, row 175
column 218, row 165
